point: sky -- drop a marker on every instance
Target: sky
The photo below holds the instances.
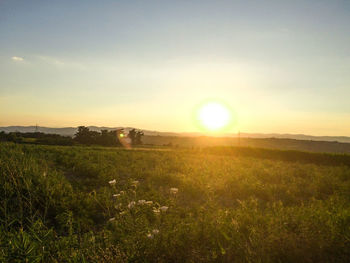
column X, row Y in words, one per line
column 280, row 66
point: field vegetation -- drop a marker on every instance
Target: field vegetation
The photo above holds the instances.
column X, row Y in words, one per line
column 108, row 204
column 270, row 143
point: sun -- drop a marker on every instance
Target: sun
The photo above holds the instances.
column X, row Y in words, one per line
column 214, row 116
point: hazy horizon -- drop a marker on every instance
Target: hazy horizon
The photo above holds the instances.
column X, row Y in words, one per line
column 200, row 133
column 279, row 66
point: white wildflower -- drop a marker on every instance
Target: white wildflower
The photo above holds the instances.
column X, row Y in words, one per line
column 163, row 208
column 156, row 210
column 141, row 202
column 113, row 182
column 155, row 231
column 131, row 204
column 116, row 195
column 149, row 203
column 149, row 235
column 174, row 190
column 111, row 219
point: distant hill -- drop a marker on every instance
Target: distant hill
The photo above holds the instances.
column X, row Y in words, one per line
column 70, row 131
column 345, row 139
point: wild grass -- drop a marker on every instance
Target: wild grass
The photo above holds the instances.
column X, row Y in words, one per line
column 61, row 204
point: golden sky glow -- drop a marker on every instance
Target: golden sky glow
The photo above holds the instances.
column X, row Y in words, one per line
column 275, row 66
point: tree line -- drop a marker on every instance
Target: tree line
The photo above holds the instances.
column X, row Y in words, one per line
column 36, row 138
column 83, row 136
column 108, row 138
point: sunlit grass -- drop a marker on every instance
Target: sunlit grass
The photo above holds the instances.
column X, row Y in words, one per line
column 95, row 204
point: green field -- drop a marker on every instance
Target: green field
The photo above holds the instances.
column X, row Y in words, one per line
column 231, row 205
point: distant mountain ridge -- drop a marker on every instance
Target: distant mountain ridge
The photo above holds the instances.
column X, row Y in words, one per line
column 70, row 131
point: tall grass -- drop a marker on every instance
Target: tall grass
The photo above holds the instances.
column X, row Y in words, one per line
column 60, row 204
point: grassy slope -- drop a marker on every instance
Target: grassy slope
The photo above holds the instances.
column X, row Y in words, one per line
column 56, row 204
column 272, row 143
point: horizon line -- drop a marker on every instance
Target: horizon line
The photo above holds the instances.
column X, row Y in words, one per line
column 210, row 134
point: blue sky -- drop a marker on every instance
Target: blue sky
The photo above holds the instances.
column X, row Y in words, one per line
column 281, row 66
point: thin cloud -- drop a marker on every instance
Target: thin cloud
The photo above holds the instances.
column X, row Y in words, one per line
column 52, row 60
column 15, row 58
column 61, row 63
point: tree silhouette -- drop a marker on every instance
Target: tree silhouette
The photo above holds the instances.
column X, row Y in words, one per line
column 132, row 136
column 135, row 136
column 105, row 137
column 83, row 135
column 139, row 134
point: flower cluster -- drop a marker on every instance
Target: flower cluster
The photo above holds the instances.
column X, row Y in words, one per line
column 128, row 202
column 131, row 204
column 141, row 202
column 113, row 182
column 158, row 210
column 174, row 190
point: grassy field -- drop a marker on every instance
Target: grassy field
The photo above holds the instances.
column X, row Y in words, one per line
column 96, row 204
column 271, row 143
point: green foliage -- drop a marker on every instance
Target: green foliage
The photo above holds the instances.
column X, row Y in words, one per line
column 104, row 138
column 283, row 155
column 99, row 204
column 36, row 138
column 135, row 136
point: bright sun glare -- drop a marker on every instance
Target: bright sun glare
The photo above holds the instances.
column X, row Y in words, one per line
column 214, row 116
